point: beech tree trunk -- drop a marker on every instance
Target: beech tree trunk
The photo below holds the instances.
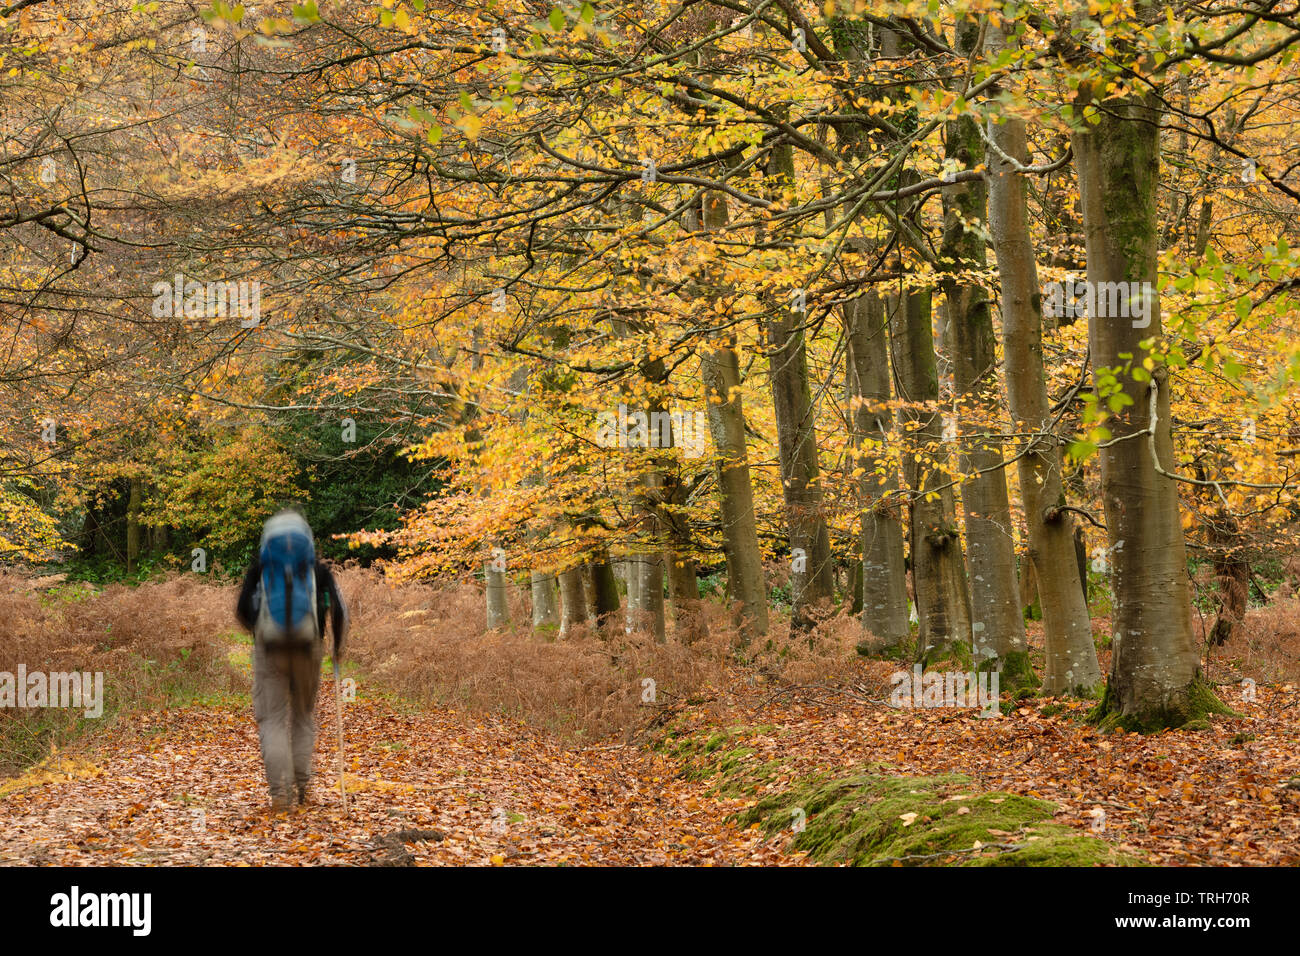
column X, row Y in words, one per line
column 632, row 572
column 1070, row 654
column 651, row 563
column 498, row 609
column 546, row 608
column 720, row 372
column 997, row 624
column 602, row 596
column 1154, row 676
column 885, row 621
column 747, row 587
column 573, row 601
column 938, row 567
column 811, row 580
column 133, row 506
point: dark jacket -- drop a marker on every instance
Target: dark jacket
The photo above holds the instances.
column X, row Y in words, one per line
column 328, row 598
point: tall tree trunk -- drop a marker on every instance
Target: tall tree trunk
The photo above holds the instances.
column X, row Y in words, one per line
column 495, row 581
column 1228, row 552
column 882, row 572
column 1071, row 656
column 651, row 564
column 632, row 569
column 938, row 568
column 1155, row 678
column 746, row 585
column 678, row 558
column 811, row 581
column 720, row 372
column 648, row 496
column 573, row 601
column 546, row 608
column 602, row 595
column 885, row 621
column 133, row 525
column 498, row 609
column 589, row 591
column 998, row 626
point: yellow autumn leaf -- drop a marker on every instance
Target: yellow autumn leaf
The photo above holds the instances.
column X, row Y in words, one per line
column 470, row 126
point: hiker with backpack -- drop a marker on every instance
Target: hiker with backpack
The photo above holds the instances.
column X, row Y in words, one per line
column 283, row 602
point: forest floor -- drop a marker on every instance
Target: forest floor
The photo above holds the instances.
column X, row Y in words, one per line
column 425, row 786
column 428, row 785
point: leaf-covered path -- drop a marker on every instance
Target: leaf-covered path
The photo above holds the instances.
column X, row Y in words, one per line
column 426, row 786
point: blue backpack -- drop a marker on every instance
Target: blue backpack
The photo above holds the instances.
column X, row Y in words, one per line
column 286, row 613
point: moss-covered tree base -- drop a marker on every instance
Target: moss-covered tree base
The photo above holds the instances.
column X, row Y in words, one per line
column 898, row 651
column 956, row 653
column 1187, row 709
column 1015, row 674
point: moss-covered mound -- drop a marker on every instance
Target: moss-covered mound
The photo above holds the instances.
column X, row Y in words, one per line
column 872, row 817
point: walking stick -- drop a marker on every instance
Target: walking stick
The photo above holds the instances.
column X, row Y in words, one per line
column 338, row 720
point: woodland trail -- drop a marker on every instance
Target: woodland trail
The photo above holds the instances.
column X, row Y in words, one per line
column 429, row 785
column 426, row 786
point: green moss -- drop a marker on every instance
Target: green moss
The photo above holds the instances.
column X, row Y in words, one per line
column 1084, row 692
column 1194, row 703
column 898, row 651
column 720, row 762
column 694, row 744
column 735, row 770
column 871, row 819
column 1017, row 673
column 958, row 654
column 875, row 818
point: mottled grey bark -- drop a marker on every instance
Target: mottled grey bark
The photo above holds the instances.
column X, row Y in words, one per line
column 720, row 373
column 883, row 573
column 498, row 610
column 997, row 625
column 546, row 607
column 938, row 567
column 1070, row 655
column 573, row 601
column 632, row 573
column 602, row 590
column 1154, row 677
column 811, row 580
column 746, row 586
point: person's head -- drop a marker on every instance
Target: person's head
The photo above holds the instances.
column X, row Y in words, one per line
column 286, row 520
